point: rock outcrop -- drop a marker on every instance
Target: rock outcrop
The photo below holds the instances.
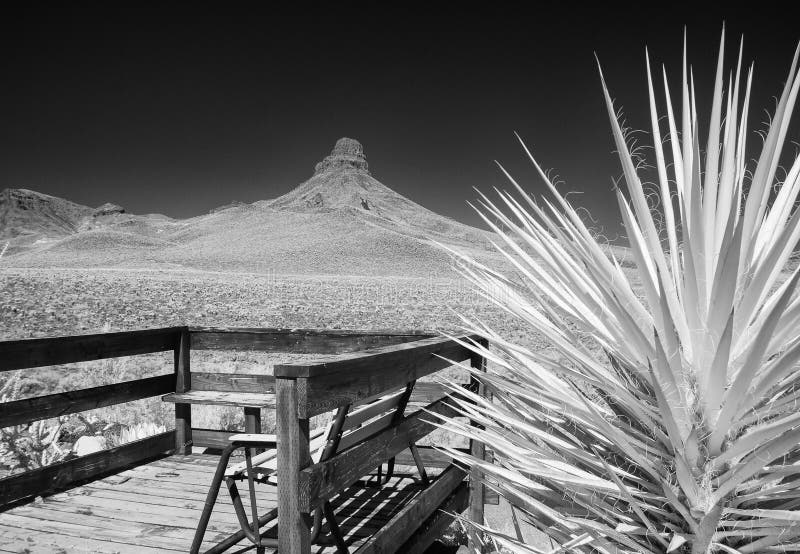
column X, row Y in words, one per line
column 343, row 184
column 347, row 154
column 108, row 209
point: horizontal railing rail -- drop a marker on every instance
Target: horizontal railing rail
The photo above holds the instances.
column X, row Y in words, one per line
column 30, row 353
column 28, row 410
column 41, row 352
column 329, row 383
column 298, row 341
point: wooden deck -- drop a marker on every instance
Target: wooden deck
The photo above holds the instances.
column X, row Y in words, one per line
column 148, row 495
column 155, row 508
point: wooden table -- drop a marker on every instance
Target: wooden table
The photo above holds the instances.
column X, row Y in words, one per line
column 251, row 402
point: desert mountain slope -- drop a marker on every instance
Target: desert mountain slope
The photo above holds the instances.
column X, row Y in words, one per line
column 342, row 181
column 26, row 214
column 341, row 221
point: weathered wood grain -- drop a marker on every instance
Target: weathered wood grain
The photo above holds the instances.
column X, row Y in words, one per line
column 210, row 438
column 326, row 365
column 478, row 450
column 120, row 511
column 63, row 474
column 15, row 539
column 214, row 398
column 27, row 353
column 403, row 525
column 302, row 341
column 349, row 379
column 372, row 428
column 154, row 507
column 324, row 480
column 183, row 383
column 233, row 382
column 433, row 528
column 294, row 528
column 63, row 403
column 366, row 412
column 105, row 529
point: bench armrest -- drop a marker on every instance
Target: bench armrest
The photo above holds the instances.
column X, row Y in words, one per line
column 257, row 439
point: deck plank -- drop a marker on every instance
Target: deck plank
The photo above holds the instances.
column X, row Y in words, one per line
column 11, row 540
column 155, row 508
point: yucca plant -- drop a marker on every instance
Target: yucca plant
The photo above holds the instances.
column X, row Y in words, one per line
column 665, row 416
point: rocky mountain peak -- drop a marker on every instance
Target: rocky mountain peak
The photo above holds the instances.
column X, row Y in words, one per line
column 347, row 154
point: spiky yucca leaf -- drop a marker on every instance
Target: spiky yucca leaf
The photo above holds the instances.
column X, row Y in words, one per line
column 663, row 420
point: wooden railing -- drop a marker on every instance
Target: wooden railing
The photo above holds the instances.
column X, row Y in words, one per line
column 32, row 353
column 297, row 341
column 349, row 366
column 41, row 352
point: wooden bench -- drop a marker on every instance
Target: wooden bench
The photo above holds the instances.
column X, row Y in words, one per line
column 353, row 424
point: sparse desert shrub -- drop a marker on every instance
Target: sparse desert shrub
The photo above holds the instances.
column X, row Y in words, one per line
column 218, row 417
column 41, row 443
column 24, row 447
column 682, row 435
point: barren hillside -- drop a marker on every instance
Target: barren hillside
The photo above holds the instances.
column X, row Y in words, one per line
column 341, row 221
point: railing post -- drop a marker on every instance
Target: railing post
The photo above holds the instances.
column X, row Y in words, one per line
column 478, row 450
column 183, row 382
column 294, row 530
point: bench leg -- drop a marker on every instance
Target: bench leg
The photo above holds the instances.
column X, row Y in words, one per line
column 423, row 475
column 341, row 546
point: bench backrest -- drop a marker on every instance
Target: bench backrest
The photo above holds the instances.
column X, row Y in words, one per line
column 351, row 426
column 355, row 423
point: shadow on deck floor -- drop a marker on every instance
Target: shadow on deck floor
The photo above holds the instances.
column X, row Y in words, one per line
column 155, row 508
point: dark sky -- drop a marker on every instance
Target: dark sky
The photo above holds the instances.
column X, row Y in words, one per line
column 177, row 109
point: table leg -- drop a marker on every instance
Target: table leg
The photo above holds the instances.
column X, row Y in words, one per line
column 252, row 423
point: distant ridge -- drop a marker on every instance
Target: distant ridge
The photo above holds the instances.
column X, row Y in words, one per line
column 26, row 212
column 340, row 221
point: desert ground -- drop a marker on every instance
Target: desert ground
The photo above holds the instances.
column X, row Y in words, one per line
column 49, row 302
